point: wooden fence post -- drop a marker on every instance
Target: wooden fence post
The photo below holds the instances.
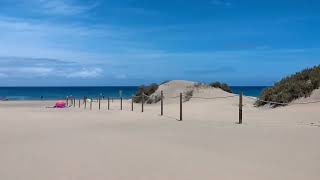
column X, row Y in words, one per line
column 108, row 103
column 67, row 101
column 74, row 102
column 142, row 102
column 99, row 103
column 91, row 104
column 79, row 103
column 121, row 103
column 180, row 107
column 132, row 104
column 161, row 103
column 85, row 103
column 240, row 108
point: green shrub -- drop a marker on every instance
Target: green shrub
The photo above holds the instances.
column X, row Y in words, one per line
column 147, row 90
column 222, row 86
column 301, row 84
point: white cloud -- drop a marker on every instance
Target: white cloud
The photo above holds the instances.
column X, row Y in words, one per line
column 60, row 41
column 84, row 73
column 34, row 72
column 63, row 7
column 25, row 71
column 15, row 67
column 47, row 29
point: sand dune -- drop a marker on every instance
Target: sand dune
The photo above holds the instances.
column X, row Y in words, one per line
column 315, row 96
column 39, row 143
column 173, row 88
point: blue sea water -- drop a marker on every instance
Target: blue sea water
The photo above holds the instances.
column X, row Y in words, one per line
column 254, row 91
column 53, row 93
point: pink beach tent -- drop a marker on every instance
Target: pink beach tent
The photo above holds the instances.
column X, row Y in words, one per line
column 60, row 104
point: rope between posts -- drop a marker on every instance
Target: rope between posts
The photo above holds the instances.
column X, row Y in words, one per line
column 163, row 96
column 136, row 96
column 188, row 95
column 279, row 103
column 222, row 97
column 272, row 102
column 173, row 97
column 225, row 97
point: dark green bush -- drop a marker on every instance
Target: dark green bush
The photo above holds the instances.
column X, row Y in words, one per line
column 301, row 84
column 222, row 86
column 147, row 90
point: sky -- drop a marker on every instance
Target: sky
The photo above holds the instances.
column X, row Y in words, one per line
column 134, row 42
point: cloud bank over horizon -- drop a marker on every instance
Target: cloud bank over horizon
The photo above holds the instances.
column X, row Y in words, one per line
column 132, row 42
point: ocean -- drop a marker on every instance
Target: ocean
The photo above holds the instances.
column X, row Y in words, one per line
column 254, row 91
column 54, row 93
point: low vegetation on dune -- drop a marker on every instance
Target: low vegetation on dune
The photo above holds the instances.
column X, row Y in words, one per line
column 301, row 84
column 151, row 97
column 147, row 90
column 222, row 86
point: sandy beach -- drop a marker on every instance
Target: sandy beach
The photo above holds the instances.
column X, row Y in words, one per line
column 39, row 143
column 159, row 90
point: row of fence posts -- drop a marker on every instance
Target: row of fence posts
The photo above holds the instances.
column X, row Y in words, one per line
column 73, row 103
column 181, row 102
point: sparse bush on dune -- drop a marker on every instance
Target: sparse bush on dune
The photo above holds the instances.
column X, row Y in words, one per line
column 200, row 85
column 301, row 84
column 222, row 86
column 147, row 90
column 188, row 95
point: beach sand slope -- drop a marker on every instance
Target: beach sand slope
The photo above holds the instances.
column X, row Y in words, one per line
column 38, row 143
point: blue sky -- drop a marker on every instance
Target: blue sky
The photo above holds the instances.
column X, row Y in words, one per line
column 133, row 42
